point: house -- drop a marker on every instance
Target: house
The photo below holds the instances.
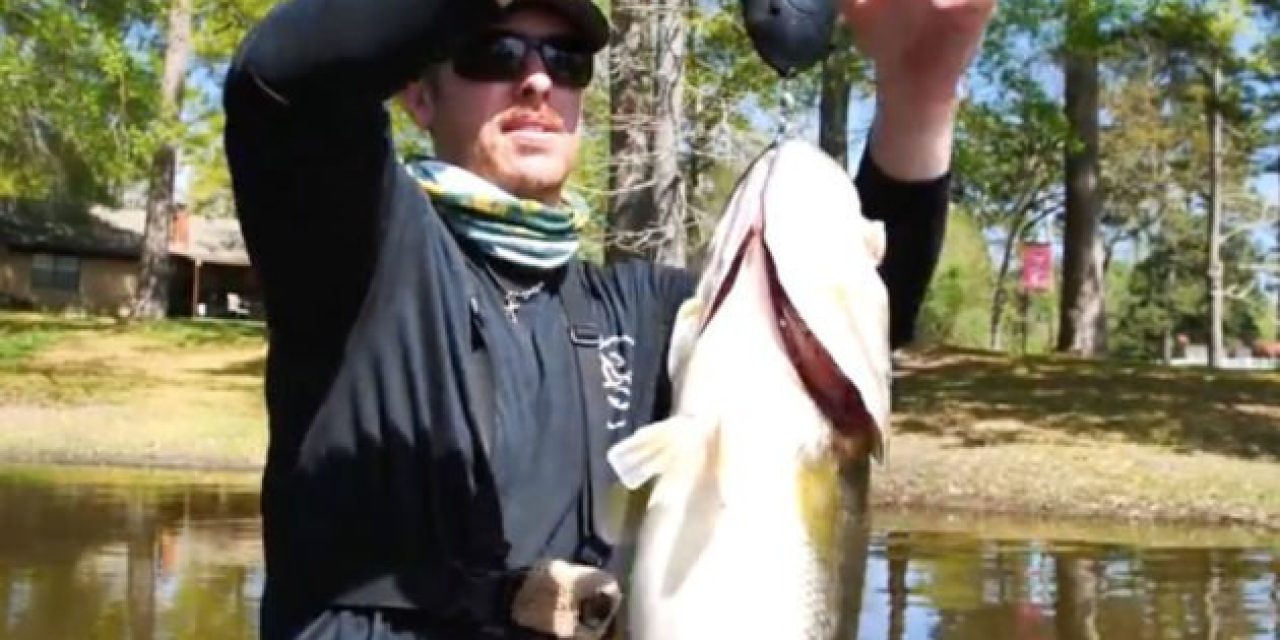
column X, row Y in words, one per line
column 71, row 258
column 1240, row 357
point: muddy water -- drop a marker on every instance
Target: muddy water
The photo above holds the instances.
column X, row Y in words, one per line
column 88, row 555
column 969, row 578
column 138, row 557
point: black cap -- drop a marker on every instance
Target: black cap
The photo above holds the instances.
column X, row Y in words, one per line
column 583, row 15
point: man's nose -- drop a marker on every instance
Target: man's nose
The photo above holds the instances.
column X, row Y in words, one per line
column 535, row 84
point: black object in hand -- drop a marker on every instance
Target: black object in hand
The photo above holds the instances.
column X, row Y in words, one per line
column 790, row 35
column 596, row 612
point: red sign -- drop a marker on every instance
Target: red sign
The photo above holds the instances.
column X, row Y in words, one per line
column 1037, row 266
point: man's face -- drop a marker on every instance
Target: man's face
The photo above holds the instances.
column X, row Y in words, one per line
column 520, row 134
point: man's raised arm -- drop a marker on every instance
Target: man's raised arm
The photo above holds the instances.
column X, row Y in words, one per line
column 346, row 51
column 309, row 146
column 921, row 49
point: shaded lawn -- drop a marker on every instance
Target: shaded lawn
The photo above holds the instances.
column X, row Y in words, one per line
column 203, row 333
column 102, row 392
column 24, row 335
column 979, row 398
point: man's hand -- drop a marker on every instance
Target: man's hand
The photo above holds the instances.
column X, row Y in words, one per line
column 565, row 600
column 921, row 49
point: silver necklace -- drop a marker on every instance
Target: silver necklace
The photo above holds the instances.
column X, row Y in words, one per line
column 514, row 298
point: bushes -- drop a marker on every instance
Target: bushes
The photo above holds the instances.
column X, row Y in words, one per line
column 957, row 305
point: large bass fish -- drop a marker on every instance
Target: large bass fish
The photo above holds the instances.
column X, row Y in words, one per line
column 755, row 521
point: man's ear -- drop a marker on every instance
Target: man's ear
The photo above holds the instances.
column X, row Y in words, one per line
column 418, row 100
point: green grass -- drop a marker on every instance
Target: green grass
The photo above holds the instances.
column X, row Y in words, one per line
column 125, row 477
column 16, row 348
column 25, row 335
column 202, row 333
column 53, row 387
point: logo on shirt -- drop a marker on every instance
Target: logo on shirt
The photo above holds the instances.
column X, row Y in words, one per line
column 616, row 369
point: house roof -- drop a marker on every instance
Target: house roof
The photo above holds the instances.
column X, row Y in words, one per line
column 63, row 228
column 113, row 233
column 209, row 240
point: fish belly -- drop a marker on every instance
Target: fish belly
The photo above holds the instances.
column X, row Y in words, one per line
column 739, row 542
column 751, row 567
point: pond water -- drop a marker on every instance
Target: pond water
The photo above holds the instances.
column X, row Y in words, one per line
column 180, row 557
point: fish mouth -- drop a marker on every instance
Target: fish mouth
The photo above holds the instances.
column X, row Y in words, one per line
column 835, row 395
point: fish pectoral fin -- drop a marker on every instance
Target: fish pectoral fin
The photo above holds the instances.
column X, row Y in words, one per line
column 653, row 449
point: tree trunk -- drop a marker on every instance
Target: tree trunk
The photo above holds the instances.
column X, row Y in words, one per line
column 998, row 297
column 1275, row 589
column 140, row 575
column 1076, row 597
column 695, row 164
column 1214, row 273
column 1082, row 310
column 898, row 593
column 648, row 207
column 9, row 601
column 630, row 138
column 697, row 188
column 671, row 209
column 833, row 108
column 152, row 298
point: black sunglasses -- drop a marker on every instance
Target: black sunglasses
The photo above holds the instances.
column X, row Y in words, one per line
column 500, row 55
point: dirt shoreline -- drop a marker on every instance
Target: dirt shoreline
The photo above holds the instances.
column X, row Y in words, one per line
column 125, row 462
column 902, row 487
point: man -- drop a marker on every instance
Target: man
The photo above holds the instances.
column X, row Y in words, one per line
column 444, row 375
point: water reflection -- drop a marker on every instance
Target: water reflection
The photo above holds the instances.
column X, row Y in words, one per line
column 170, row 560
column 156, row 561
column 961, row 586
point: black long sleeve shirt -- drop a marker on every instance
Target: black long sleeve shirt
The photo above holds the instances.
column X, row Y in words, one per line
column 375, row 483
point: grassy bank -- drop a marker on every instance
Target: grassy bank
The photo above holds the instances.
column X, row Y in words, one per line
column 973, row 430
column 184, row 394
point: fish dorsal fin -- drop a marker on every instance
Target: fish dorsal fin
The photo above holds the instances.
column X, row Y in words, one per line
column 826, row 255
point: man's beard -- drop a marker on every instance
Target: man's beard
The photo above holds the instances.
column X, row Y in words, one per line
column 502, row 166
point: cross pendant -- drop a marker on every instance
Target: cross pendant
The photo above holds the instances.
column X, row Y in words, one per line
column 511, row 306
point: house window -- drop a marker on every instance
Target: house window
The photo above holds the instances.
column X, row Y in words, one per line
column 55, row 272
